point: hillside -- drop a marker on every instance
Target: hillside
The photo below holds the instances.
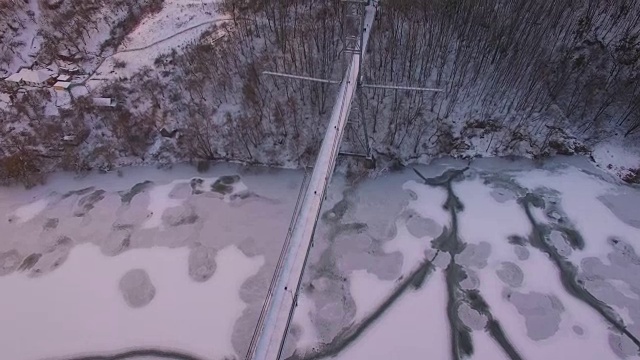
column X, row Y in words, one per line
column 523, row 78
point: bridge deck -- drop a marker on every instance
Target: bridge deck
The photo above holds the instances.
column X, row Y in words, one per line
column 274, row 321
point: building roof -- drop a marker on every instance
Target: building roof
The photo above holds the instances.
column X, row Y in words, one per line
column 63, row 77
column 14, row 78
column 32, row 76
column 62, row 84
column 35, row 76
column 104, row 101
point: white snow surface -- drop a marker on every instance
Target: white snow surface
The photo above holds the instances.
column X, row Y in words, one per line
column 368, row 292
column 617, row 157
column 416, row 325
column 491, row 213
column 579, row 199
column 85, row 312
column 27, row 212
column 177, row 24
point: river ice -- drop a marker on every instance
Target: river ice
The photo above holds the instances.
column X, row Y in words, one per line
column 524, row 261
column 501, row 260
column 171, row 261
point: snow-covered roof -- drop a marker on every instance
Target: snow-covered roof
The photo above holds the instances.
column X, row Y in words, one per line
column 63, row 77
column 14, row 78
column 62, row 84
column 104, row 101
column 32, row 76
column 35, row 76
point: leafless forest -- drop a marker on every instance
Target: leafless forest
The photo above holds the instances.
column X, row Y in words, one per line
column 521, row 77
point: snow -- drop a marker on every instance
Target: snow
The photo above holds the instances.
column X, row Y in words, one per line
column 29, row 211
column 580, row 191
column 617, row 157
column 159, row 201
column 485, row 348
column 416, row 324
column 75, row 311
column 368, row 292
column 542, row 276
column 429, row 201
column 177, row 24
column 486, row 220
column 411, row 248
column 308, row 337
column 556, row 324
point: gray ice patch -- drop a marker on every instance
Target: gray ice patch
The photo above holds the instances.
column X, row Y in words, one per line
column 127, row 196
column 116, row 242
column 421, row 227
column 502, row 195
column 510, row 274
column 474, row 255
column 29, row 262
column 9, row 262
column 136, row 288
column 88, row 202
column 202, row 263
column 541, row 313
column 180, row 215
column 521, row 252
column 578, row 330
column 622, row 346
column 180, row 191
column 334, row 308
column 471, row 281
column 624, row 206
column 56, row 255
column 559, row 242
column 624, row 255
column 440, row 259
column 50, row 224
column 471, row 317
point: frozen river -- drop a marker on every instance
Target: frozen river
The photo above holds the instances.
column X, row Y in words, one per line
column 490, row 260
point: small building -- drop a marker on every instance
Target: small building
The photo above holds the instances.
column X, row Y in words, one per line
column 69, row 69
column 31, row 77
column 63, row 77
column 62, row 85
column 107, row 102
column 15, row 78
